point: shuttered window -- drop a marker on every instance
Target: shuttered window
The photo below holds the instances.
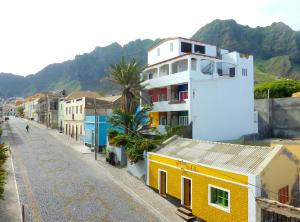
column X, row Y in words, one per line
column 219, row 197
column 283, row 194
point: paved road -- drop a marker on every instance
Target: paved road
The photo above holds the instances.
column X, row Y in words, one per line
column 57, row 183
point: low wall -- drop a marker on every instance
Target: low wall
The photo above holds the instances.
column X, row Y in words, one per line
column 139, row 169
column 120, row 154
column 278, row 117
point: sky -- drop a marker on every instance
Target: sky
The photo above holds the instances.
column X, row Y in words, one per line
column 35, row 33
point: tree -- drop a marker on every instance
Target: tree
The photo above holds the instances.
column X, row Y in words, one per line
column 20, row 111
column 127, row 76
column 278, row 89
column 130, row 123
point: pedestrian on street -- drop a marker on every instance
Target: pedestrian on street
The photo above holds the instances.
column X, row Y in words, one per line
column 27, row 128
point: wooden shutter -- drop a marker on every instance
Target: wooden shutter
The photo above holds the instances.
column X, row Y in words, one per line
column 283, row 194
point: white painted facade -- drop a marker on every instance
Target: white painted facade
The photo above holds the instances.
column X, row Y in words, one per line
column 220, row 97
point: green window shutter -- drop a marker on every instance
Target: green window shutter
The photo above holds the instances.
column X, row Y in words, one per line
column 219, row 197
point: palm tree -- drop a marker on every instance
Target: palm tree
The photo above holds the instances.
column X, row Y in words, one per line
column 127, row 75
column 130, row 123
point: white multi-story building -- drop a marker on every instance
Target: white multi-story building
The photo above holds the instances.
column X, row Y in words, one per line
column 196, row 84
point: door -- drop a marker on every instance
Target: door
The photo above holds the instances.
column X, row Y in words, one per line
column 163, row 183
column 187, row 192
column 76, row 135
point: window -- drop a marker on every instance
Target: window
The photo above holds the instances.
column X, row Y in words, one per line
column 283, row 195
column 171, row 47
column 219, row 198
column 81, row 109
column 244, row 72
column 186, row 47
column 183, row 120
column 66, row 110
column 199, row 49
column 163, row 120
column 80, row 129
column 150, row 76
column 183, row 95
column 158, row 52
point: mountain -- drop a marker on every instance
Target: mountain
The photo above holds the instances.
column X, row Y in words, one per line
column 276, row 49
column 85, row 72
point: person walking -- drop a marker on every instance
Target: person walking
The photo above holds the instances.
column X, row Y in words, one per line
column 27, row 128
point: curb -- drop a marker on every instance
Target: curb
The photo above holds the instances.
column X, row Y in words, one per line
column 6, row 142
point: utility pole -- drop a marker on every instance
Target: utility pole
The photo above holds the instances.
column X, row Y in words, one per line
column 96, row 130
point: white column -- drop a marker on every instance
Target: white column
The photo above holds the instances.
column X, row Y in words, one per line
column 189, row 64
column 170, row 68
column 158, row 71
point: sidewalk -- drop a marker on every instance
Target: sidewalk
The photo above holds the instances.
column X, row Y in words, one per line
column 10, row 210
column 136, row 188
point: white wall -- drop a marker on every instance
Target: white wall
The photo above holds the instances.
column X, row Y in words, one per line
column 223, row 108
column 165, row 52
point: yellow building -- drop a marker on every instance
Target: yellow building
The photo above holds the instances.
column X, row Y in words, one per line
column 220, row 182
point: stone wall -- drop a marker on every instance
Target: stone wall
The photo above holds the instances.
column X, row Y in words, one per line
column 278, row 117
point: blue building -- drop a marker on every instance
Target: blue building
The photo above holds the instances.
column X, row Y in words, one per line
column 105, row 106
column 90, row 130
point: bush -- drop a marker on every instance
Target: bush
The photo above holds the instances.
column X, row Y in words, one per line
column 112, row 134
column 136, row 147
column 3, row 157
column 120, row 140
column 278, row 89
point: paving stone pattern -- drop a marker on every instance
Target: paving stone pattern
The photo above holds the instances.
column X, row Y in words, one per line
column 57, row 184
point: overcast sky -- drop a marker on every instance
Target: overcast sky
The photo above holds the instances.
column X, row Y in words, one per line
column 35, row 33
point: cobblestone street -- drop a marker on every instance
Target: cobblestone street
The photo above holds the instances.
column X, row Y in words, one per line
column 57, row 184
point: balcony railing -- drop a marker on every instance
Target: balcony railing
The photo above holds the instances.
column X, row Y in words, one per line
column 176, row 101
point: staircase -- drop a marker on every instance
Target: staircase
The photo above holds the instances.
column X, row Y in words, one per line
column 185, row 213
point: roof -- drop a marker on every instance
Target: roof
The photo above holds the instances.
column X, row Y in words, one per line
column 174, row 38
column 232, row 157
column 111, row 99
column 80, row 94
column 35, row 96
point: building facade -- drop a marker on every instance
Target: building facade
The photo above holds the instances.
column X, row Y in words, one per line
column 198, row 85
column 105, row 106
column 221, row 182
column 78, row 105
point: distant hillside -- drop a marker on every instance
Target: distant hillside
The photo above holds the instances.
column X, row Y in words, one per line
column 85, row 72
column 276, row 50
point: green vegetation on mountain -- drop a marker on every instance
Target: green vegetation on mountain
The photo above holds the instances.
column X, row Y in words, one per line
column 276, row 50
column 277, row 89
